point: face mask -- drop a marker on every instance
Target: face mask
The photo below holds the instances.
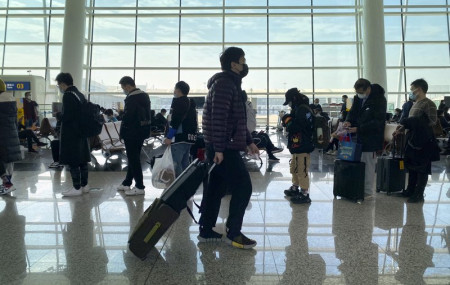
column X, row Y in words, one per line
column 344, row 100
column 61, row 90
column 412, row 96
column 244, row 71
column 361, row 95
column 125, row 92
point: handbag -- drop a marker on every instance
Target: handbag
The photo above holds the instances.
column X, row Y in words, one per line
column 349, row 150
column 163, row 172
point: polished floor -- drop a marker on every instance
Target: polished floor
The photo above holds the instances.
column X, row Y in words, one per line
column 47, row 239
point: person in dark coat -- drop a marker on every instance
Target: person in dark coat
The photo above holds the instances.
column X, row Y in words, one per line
column 182, row 131
column 405, row 110
column 300, row 125
column 366, row 118
column 160, row 121
column 226, row 135
column 9, row 139
column 74, row 149
column 421, row 147
column 134, row 130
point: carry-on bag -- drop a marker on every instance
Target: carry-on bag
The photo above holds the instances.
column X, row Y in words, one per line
column 164, row 211
column 349, row 179
column 391, row 172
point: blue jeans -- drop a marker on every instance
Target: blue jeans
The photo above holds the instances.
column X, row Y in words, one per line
column 180, row 156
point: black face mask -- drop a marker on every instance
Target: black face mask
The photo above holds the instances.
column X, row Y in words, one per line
column 244, row 71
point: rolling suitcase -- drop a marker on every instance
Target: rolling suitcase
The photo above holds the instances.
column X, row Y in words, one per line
column 349, row 179
column 391, row 172
column 163, row 212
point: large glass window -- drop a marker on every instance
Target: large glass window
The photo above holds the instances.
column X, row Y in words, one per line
column 314, row 45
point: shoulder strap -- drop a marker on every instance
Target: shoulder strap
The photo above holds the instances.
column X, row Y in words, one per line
column 76, row 95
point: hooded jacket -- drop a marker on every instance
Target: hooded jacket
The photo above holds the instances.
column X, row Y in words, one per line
column 369, row 117
column 183, row 125
column 224, row 113
column 9, row 137
column 136, row 116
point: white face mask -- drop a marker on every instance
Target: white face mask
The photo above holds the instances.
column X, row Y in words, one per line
column 125, row 92
column 61, row 90
column 361, row 95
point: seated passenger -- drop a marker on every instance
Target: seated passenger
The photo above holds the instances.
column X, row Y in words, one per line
column 335, row 137
column 27, row 133
column 110, row 116
column 261, row 139
column 397, row 115
column 160, row 121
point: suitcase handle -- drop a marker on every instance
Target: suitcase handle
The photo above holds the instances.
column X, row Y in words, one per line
column 394, row 147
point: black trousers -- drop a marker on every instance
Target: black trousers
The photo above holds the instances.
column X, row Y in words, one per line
column 133, row 148
column 417, row 181
column 30, row 136
column 54, row 144
column 230, row 174
column 263, row 141
column 79, row 175
column 335, row 143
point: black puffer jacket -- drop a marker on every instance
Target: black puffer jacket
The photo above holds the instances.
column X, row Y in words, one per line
column 74, row 149
column 224, row 114
column 9, row 138
column 136, row 116
column 369, row 119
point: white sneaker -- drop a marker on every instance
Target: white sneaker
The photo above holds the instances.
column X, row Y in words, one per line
column 5, row 190
column 123, row 188
column 54, row 165
column 85, row 189
column 334, row 152
column 72, row 192
column 135, row 191
column 329, row 152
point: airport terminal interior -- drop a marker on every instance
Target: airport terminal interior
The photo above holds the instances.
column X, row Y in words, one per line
column 319, row 46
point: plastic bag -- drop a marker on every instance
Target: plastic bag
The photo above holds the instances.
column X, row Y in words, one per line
column 163, row 172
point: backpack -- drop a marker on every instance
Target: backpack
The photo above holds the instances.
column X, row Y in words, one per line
column 91, row 120
column 321, row 132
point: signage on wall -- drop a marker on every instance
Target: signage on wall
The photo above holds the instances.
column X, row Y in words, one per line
column 18, row 86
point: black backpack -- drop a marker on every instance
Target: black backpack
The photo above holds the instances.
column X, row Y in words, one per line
column 321, row 132
column 91, row 120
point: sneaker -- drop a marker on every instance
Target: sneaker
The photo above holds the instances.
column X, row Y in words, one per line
column 273, row 158
column 41, row 144
column 5, row 190
column 240, row 241
column 72, row 192
column 301, row 199
column 334, row 152
column 54, row 165
column 209, row 236
column 135, row 191
column 292, row 191
column 277, row 149
column 85, row 189
column 329, row 152
column 122, row 187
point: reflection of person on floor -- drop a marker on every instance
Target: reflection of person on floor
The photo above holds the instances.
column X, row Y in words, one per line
column 12, row 245
column 414, row 255
column 181, row 253
column 353, row 227
column 86, row 263
column 301, row 267
column 223, row 265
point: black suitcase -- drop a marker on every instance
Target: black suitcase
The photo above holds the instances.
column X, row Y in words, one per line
column 163, row 212
column 391, row 172
column 349, row 179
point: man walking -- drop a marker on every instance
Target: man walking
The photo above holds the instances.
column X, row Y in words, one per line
column 135, row 128
column 226, row 134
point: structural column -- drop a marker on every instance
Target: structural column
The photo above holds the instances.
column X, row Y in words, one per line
column 73, row 40
column 374, row 52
